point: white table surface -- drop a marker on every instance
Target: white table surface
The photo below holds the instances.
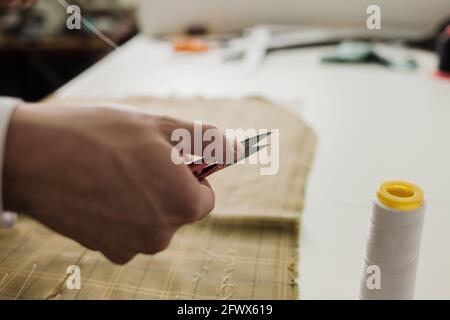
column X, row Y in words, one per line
column 373, row 124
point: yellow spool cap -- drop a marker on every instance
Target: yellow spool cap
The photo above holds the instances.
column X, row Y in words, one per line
column 400, row 195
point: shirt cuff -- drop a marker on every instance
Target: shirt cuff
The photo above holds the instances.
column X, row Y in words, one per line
column 7, row 105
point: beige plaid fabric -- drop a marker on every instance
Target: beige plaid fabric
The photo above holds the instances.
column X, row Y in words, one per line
column 247, row 248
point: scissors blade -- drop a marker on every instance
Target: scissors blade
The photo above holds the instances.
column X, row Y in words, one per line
column 252, row 140
column 250, row 151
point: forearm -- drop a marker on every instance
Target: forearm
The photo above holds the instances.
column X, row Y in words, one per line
column 7, row 106
column 18, row 159
column 38, row 153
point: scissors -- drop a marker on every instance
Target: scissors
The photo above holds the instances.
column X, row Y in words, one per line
column 202, row 169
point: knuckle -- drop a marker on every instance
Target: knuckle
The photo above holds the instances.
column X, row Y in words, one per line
column 165, row 122
column 166, row 119
column 213, row 127
column 109, row 110
column 119, row 258
column 89, row 244
column 159, row 244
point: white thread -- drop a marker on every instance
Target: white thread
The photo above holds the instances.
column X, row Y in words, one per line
column 25, row 282
column 346, row 203
column 330, row 178
column 210, row 255
column 4, row 278
column 226, row 278
column 228, row 296
column 197, row 277
column 392, row 253
column 92, row 28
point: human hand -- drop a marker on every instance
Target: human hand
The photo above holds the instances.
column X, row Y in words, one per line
column 103, row 177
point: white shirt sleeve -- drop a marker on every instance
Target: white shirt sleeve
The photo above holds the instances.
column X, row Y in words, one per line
column 7, row 106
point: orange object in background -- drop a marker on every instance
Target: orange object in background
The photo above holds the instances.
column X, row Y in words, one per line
column 190, row 45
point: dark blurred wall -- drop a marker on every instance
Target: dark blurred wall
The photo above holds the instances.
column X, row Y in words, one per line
column 34, row 75
column 39, row 54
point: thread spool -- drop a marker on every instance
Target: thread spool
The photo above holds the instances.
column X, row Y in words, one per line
column 443, row 49
column 392, row 252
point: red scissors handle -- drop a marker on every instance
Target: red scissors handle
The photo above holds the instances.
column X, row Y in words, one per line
column 203, row 170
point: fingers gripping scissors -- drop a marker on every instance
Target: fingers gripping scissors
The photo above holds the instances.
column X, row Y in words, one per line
column 201, row 169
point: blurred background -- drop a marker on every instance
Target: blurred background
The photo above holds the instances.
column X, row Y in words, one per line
column 377, row 98
column 38, row 53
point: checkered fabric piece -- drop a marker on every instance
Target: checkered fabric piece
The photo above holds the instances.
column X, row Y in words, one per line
column 246, row 249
